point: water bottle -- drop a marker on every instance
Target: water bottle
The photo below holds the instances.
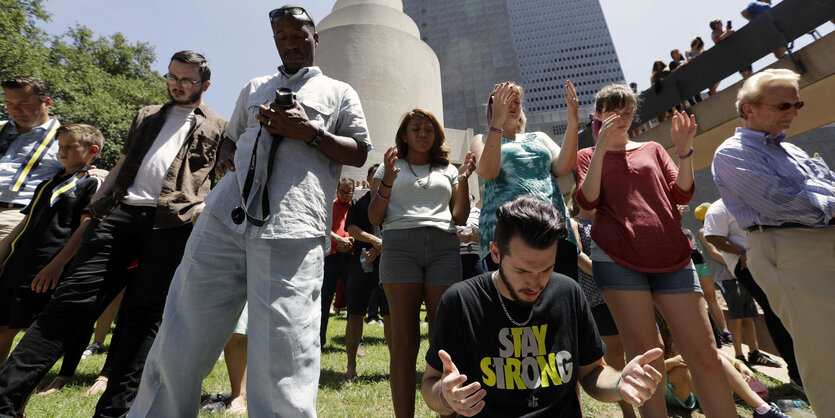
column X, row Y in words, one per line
column 367, row 266
column 787, row 405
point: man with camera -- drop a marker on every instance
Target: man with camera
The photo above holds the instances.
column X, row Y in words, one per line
column 143, row 210
column 263, row 238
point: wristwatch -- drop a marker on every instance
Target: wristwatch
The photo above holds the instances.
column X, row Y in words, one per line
column 317, row 139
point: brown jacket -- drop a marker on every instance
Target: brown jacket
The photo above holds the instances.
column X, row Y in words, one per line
column 190, row 176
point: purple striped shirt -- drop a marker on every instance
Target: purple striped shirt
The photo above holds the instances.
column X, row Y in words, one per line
column 765, row 181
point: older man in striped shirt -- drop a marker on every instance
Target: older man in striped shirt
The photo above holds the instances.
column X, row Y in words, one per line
column 786, row 201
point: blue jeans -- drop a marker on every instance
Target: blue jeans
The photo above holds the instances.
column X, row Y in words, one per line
column 220, row 271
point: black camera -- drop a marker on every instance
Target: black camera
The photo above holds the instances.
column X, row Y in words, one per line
column 284, row 97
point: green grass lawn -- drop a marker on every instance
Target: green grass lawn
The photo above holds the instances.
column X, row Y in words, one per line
column 367, row 396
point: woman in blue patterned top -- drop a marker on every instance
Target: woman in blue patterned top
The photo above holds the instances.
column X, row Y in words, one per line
column 513, row 162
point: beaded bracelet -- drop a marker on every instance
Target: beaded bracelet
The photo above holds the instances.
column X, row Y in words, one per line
column 381, row 196
column 496, row 130
column 682, row 157
column 617, row 383
column 441, row 395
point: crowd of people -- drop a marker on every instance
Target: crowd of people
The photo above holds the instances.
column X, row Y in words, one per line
column 719, row 32
column 237, row 221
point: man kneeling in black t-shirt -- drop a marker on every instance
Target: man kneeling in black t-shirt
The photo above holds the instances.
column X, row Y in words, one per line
column 523, row 353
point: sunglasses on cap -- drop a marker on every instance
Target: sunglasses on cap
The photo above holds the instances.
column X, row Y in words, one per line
column 292, row 11
column 785, row 106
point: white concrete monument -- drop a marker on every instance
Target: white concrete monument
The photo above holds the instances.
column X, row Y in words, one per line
column 375, row 47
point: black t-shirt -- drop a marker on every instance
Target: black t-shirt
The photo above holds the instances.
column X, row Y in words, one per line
column 527, row 371
column 358, row 215
column 47, row 230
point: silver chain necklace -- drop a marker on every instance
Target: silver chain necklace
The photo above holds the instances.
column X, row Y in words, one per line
column 420, row 180
column 501, row 302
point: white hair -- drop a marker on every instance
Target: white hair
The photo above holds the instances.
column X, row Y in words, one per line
column 752, row 89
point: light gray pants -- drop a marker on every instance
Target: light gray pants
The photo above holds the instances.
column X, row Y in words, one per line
column 220, row 270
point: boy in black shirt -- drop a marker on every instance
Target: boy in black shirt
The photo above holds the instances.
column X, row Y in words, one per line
column 523, row 336
column 34, row 254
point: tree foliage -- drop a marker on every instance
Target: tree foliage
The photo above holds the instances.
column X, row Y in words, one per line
column 101, row 81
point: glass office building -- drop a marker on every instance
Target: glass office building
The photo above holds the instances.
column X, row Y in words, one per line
column 537, row 43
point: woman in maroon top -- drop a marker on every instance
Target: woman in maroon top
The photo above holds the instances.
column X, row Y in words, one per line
column 641, row 259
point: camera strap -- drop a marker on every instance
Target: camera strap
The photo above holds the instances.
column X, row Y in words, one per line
column 250, row 177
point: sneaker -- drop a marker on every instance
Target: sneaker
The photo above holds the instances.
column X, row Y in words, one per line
column 774, row 412
column 761, row 359
column 726, row 337
column 91, row 349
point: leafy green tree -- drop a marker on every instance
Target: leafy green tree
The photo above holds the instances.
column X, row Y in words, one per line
column 101, row 81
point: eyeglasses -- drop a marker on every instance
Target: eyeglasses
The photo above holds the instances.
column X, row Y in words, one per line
column 292, row 11
column 345, row 193
column 183, row 82
column 785, row 106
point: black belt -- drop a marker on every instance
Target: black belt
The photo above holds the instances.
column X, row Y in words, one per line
column 12, row 205
column 783, row 225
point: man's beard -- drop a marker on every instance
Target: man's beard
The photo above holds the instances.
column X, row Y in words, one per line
column 190, row 100
column 513, row 295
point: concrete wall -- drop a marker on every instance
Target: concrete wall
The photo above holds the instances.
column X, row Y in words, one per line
column 375, row 47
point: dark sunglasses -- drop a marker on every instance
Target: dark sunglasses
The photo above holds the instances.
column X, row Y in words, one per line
column 785, row 106
column 292, row 11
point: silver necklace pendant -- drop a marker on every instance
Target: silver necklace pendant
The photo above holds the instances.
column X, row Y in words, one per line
column 420, row 181
column 501, row 302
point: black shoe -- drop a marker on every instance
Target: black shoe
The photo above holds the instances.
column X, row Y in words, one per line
column 761, row 359
column 91, row 349
column 726, row 337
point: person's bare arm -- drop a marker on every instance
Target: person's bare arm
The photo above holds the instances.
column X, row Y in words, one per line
column 564, row 158
column 710, row 248
column 459, row 203
column 358, row 234
column 382, row 187
column 488, row 149
column 724, row 244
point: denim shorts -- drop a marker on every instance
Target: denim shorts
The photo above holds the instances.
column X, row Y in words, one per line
column 425, row 255
column 613, row 276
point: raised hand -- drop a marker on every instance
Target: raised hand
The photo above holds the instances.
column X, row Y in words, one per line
column 683, row 131
column 468, row 167
column 606, row 130
column 500, row 105
column 572, row 102
column 464, row 400
column 639, row 379
column 390, row 171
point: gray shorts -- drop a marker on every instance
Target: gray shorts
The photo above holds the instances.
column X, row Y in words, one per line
column 740, row 302
column 425, row 255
